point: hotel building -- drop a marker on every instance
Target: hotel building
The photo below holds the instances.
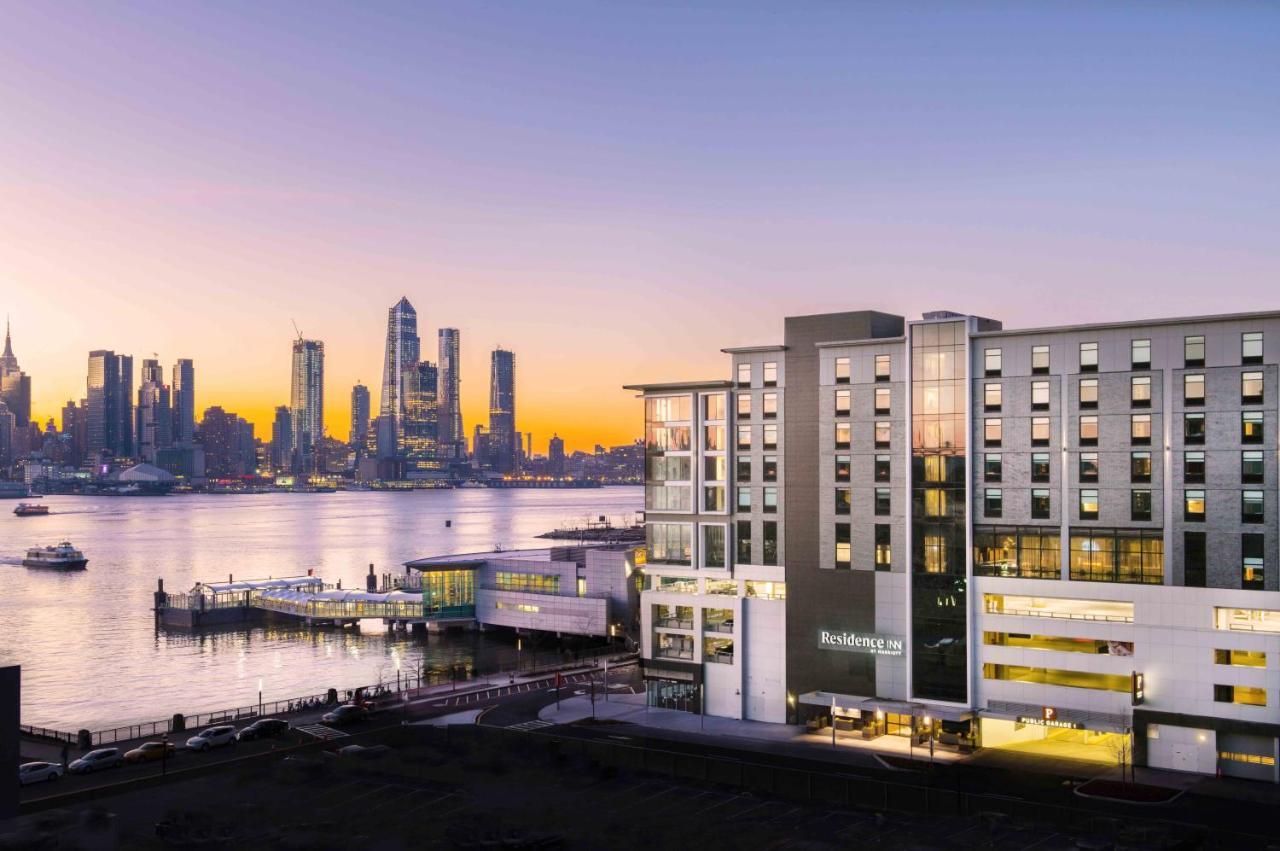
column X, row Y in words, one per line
column 1058, row 540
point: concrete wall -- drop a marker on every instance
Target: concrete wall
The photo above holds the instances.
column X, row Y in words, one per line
column 1182, row 748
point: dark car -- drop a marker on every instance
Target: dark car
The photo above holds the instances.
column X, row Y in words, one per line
column 263, row 728
column 348, row 713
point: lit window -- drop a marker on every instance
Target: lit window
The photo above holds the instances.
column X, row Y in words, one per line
column 713, row 406
column 1246, row 695
column 844, row 468
column 771, row 436
column 1089, row 430
column 844, row 433
column 769, row 469
column 935, row 502
column 770, row 406
column 884, row 546
column 844, row 501
column 1088, row 505
column 844, row 547
column 1251, row 427
column 1140, row 429
column 842, row 370
column 771, row 374
column 1140, row 354
column 1039, row 360
column 991, row 396
column 1193, row 389
column 744, row 406
column 882, row 400
column 1251, row 388
column 1240, row 658
column 1088, row 392
column 1140, row 391
column 993, row 430
column 1193, row 351
column 991, row 361
column 1253, row 562
column 744, row 437
column 744, row 375
column 883, row 431
column 882, row 368
column 1039, row 395
column 1251, row 347
column 843, row 400
column 1193, row 506
column 1088, row 357
column 1039, row 431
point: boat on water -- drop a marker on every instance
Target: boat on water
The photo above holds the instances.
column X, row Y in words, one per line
column 31, row 509
column 62, row 557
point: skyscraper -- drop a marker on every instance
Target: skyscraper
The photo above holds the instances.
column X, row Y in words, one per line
column 359, row 417
column 183, row 398
column 109, row 401
column 420, row 423
column 228, row 444
column 282, row 439
column 451, row 433
column 502, row 412
column 74, row 428
column 15, row 385
column 307, row 399
column 154, row 421
column 555, row 456
column 402, row 351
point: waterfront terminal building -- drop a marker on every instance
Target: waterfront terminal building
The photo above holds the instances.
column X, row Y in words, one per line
column 1056, row 540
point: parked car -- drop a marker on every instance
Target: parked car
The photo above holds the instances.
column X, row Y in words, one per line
column 214, row 737
column 348, row 713
column 149, row 752
column 96, row 760
column 263, row 728
column 38, row 772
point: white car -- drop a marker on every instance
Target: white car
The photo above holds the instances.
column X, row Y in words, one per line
column 96, row 760
column 38, row 772
column 214, row 737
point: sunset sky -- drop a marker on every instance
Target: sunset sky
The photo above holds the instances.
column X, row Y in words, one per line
column 612, row 190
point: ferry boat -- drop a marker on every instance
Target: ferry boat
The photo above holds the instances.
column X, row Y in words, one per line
column 62, row 557
column 31, row 509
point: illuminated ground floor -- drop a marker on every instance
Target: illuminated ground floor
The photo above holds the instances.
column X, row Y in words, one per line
column 1059, row 742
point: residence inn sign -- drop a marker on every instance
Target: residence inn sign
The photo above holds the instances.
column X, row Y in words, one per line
column 862, row 642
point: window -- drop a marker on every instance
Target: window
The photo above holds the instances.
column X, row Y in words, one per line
column 1088, row 357
column 883, row 430
column 844, row 501
column 1140, row 466
column 1088, row 466
column 992, row 431
column 1253, row 562
column 1193, row 468
column 1251, row 388
column 991, row 396
column 1056, row 677
column 744, row 469
column 771, row 436
column 769, row 469
column 1040, row 467
column 1039, row 395
column 844, row 468
column 1251, row 466
column 883, row 502
column 991, row 361
column 883, row 396
column 1140, row 354
column 713, row 545
column 1251, row 427
column 844, row 547
column 744, row 541
column 884, row 547
column 660, row 497
column 1089, row 430
column 713, row 498
column 1140, row 391
column 844, row 398
column 1240, row 658
column 744, row 499
column 744, row 406
column 842, row 370
column 770, row 500
column 769, row 539
column 714, row 468
column 668, row 543
column 1251, row 506
column 1193, row 428
column 882, row 368
column 992, row 502
column 771, row 374
column 1088, row 505
column 713, row 406
column 713, row 438
column 1251, row 347
column 992, row 467
column 882, row 468
column 770, row 406
column 1246, row 695
column 1193, row 506
column 844, row 433
column 1040, row 504
column 1117, row 555
column 744, row 438
column 1193, row 351
column 1195, row 559
column 744, row 375
column 1140, row 505
column 1193, row 389
column 1140, row 429
column 1039, row 360
column 1088, row 393
column 1027, row 552
column 1039, row 431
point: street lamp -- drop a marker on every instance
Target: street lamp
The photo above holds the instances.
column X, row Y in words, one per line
column 259, row 697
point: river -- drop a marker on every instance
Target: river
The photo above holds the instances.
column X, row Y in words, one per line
column 90, row 653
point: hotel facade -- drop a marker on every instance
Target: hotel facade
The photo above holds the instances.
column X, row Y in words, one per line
column 1057, row 540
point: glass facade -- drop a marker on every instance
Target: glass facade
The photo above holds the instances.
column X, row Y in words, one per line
column 449, row 593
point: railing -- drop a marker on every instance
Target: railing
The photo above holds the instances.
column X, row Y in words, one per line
column 46, row 733
column 1074, row 616
column 671, row 653
column 674, row 623
column 718, row 626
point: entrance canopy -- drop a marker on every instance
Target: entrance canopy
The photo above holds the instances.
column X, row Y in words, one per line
column 846, row 703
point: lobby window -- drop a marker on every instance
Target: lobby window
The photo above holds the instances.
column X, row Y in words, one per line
column 992, row 502
column 744, row 375
column 769, row 540
column 1245, row 695
column 1193, row 351
column 1140, row 391
column 1089, row 430
column 1088, row 504
column 992, row 467
column 1251, row 506
column 744, row 541
column 1039, row 395
column 844, row 468
column 771, row 436
column 842, row 370
column 992, row 396
column 1088, row 357
column 992, row 431
column 1039, row 360
column 883, row 468
column 1251, row 388
column 883, row 502
column 744, row 499
column 771, row 374
column 1193, row 468
column 1251, row 347
column 1088, row 393
column 1252, row 470
column 1140, row 466
column 744, row 438
column 1195, row 559
column 1193, row 506
column 769, row 406
column 883, row 403
column 844, row 547
column 991, row 362
column 1140, row 505
column 1240, row 658
column 744, row 406
column 1140, row 354
column 844, row 501
column 744, row 469
column 1193, row 428
column 713, row 545
column 769, row 469
column 884, row 547
column 770, row 501
column 1193, row 389
column 1040, row 504
column 1251, row 427
column 883, row 430
column 844, row 400
column 1140, row 429
column 1088, row 466
column 882, row 368
column 935, row 502
column 844, row 434
column 1039, row 431
column 1040, row 470
column 1253, row 562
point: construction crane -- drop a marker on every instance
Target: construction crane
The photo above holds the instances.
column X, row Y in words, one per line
column 296, row 328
